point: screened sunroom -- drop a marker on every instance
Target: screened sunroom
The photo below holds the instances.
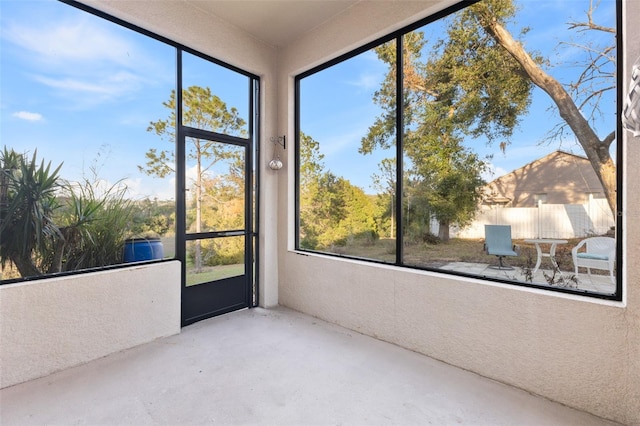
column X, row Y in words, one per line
column 279, row 212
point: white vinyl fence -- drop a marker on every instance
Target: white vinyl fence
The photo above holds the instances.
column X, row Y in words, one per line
column 544, row 221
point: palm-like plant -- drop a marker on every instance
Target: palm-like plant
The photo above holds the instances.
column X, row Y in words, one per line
column 27, row 203
column 94, row 223
column 48, row 225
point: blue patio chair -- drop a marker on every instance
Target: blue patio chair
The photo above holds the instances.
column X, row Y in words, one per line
column 498, row 243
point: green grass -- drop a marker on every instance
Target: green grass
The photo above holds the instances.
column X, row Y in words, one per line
column 435, row 255
column 214, row 273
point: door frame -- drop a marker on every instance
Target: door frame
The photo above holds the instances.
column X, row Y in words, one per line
column 252, row 198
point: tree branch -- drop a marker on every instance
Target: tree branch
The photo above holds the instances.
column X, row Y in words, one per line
column 590, row 25
column 599, row 158
column 608, row 140
column 584, row 26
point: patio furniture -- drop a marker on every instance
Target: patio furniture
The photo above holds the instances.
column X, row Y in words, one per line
column 498, row 243
column 599, row 253
column 552, row 250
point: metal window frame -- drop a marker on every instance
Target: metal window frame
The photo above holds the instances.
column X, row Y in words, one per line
column 398, row 36
column 252, row 148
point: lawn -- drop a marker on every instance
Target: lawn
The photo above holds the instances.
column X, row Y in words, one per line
column 213, row 273
column 437, row 253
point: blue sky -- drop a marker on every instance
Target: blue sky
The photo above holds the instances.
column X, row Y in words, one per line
column 82, row 91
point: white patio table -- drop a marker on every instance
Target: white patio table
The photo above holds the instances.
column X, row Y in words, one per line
column 551, row 254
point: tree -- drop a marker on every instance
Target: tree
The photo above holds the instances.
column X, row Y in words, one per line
column 445, row 98
column 152, row 217
column 311, row 170
column 332, row 210
column 450, row 185
column 48, row 225
column 27, row 204
column 94, row 220
column 591, row 83
column 385, row 184
column 202, row 110
column 477, row 82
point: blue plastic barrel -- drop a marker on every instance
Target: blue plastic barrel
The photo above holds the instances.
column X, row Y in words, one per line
column 140, row 249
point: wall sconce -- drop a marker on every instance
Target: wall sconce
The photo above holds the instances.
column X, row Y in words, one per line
column 276, row 163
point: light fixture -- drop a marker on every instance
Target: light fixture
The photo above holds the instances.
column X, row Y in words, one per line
column 276, row 163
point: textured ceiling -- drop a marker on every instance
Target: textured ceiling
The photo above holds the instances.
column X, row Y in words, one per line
column 276, row 22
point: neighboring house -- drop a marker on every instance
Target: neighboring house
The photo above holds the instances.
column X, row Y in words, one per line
column 557, row 178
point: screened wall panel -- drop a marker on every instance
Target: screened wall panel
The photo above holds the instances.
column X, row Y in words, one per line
column 501, row 143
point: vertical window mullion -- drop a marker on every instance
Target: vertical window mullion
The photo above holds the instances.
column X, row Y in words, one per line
column 297, row 161
column 180, row 166
column 255, row 188
column 399, row 156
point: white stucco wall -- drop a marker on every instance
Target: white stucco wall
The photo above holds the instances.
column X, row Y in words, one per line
column 578, row 351
column 49, row 325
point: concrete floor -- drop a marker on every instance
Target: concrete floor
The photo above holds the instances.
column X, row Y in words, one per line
column 598, row 282
column 274, row 367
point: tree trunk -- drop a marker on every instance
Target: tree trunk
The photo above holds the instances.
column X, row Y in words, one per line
column 25, row 266
column 597, row 150
column 198, row 252
column 392, row 231
column 58, row 252
column 443, row 230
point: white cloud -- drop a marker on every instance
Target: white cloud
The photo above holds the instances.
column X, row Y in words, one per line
column 69, row 84
column 29, row 116
column 105, row 87
column 367, row 81
column 71, row 41
column 85, row 60
column 337, row 144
